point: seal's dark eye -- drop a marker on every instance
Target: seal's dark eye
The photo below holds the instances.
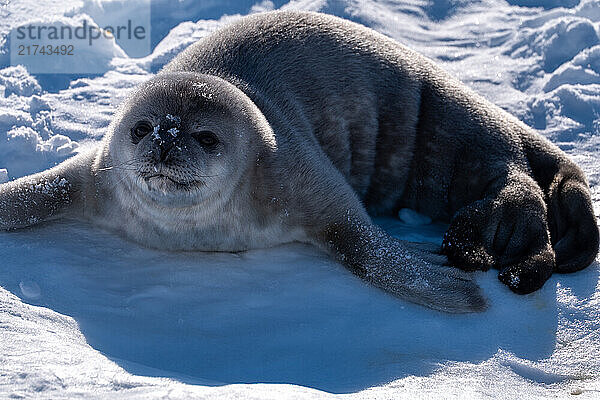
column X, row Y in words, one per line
column 141, row 129
column 206, row 138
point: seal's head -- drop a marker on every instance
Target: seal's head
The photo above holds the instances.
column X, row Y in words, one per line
column 184, row 137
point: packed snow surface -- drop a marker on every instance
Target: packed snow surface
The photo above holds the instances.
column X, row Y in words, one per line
column 84, row 313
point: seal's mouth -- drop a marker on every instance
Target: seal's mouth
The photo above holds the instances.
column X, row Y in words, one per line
column 168, row 184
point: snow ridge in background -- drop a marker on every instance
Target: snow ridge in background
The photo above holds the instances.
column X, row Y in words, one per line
column 88, row 315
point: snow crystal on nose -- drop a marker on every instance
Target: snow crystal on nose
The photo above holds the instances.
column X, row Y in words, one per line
column 173, row 118
column 173, row 132
column 155, row 134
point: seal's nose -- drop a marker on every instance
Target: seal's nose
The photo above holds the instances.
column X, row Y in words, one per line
column 165, row 140
column 167, row 136
column 164, row 151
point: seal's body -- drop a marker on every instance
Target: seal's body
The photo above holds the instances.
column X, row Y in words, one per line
column 290, row 126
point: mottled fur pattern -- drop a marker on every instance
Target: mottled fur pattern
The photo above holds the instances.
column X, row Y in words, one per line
column 321, row 122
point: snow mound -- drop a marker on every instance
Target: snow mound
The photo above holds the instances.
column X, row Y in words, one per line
column 113, row 13
column 179, row 38
column 16, row 80
column 544, row 3
column 557, row 42
column 588, row 9
column 90, row 59
column 569, row 112
column 26, row 138
column 584, row 69
column 167, row 14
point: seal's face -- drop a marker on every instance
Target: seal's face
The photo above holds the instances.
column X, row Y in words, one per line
column 180, row 141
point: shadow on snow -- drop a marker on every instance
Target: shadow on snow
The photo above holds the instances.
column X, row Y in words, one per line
column 285, row 315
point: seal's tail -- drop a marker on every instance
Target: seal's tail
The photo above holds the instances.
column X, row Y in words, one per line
column 571, row 220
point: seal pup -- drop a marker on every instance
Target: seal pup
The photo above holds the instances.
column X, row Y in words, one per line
column 295, row 126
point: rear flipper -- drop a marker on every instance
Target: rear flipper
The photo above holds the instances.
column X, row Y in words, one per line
column 572, row 223
column 506, row 230
column 571, row 220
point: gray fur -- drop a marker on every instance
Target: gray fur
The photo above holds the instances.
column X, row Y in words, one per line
column 322, row 122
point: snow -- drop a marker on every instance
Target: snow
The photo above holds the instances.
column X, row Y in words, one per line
column 114, row 13
column 91, row 59
column 85, row 314
column 411, row 217
column 3, row 175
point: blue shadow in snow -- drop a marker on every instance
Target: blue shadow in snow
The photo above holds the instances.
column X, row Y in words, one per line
column 285, row 315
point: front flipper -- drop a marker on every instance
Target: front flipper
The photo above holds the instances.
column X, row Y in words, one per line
column 392, row 265
column 333, row 217
column 47, row 195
